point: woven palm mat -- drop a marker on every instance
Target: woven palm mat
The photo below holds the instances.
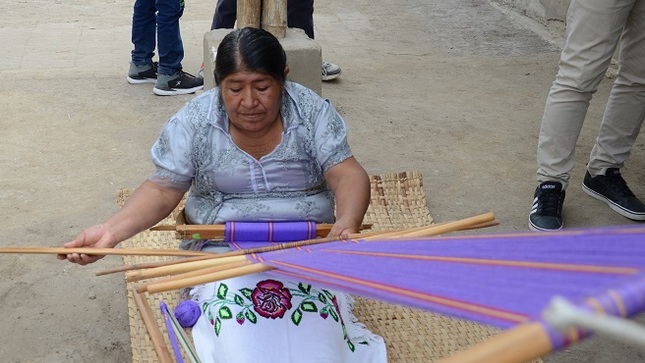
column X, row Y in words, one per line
column 397, row 201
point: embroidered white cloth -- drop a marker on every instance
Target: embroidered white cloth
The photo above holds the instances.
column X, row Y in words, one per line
column 259, row 318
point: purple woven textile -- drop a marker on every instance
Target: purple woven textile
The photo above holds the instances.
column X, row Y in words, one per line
column 257, row 234
column 501, row 279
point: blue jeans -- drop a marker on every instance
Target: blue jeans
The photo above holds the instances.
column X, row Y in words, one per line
column 156, row 23
column 300, row 14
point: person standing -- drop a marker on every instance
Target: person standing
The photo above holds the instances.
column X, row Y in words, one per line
column 595, row 28
column 155, row 23
column 300, row 14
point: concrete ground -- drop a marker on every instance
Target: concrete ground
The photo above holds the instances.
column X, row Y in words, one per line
column 454, row 88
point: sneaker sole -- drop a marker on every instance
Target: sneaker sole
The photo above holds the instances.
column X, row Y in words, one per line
column 330, row 77
column 614, row 206
column 175, row 91
column 141, row 80
column 535, row 228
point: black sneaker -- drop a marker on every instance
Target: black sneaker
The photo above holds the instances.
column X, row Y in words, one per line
column 179, row 84
column 145, row 74
column 612, row 189
column 546, row 213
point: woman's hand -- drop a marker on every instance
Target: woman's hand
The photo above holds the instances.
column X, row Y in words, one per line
column 97, row 237
column 342, row 229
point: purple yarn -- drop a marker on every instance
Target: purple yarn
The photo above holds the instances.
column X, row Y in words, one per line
column 187, row 313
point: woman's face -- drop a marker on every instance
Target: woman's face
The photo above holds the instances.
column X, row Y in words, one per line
column 251, row 99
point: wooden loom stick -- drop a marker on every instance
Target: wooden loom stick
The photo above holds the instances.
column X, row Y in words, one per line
column 140, row 266
column 520, row 344
column 203, row 279
column 103, row 251
column 206, row 231
column 151, row 326
column 132, row 276
column 259, row 267
column 144, row 287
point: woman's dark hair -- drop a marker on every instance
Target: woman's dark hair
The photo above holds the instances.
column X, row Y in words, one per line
column 251, row 49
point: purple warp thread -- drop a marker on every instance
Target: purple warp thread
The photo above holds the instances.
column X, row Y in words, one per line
column 187, row 313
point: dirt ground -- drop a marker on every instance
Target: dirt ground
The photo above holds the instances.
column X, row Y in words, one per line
column 454, row 88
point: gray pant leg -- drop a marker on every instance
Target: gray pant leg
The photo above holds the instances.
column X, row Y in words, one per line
column 593, row 30
column 625, row 109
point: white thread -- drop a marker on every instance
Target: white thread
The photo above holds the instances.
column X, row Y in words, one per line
column 563, row 315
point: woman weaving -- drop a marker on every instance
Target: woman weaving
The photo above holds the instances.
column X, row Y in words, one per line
column 255, row 148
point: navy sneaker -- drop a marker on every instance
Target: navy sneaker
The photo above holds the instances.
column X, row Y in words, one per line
column 612, row 189
column 546, row 213
column 144, row 74
column 180, row 83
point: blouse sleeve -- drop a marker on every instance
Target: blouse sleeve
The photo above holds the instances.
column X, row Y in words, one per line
column 171, row 155
column 330, row 137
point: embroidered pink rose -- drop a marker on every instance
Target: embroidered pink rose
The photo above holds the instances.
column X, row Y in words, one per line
column 271, row 299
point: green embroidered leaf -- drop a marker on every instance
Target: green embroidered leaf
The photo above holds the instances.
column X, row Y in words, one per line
column 197, row 236
column 218, row 326
column 322, row 298
column 329, row 294
column 251, row 316
column 246, row 292
column 225, row 313
column 351, row 346
column 306, row 288
column 204, row 307
column 222, row 290
column 296, row 317
column 239, row 300
column 309, row 307
column 333, row 314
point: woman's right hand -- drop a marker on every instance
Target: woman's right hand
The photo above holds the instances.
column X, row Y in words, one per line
column 97, row 236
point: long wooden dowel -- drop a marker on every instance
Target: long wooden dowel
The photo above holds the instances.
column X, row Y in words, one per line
column 139, row 266
column 227, row 266
column 451, row 226
column 207, row 231
column 203, row 279
column 521, row 344
column 132, row 276
column 151, row 326
column 103, row 251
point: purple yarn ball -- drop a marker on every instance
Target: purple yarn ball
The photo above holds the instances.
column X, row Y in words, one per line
column 187, row 313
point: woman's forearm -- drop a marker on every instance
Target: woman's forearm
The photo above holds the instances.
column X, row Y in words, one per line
column 351, row 187
column 147, row 205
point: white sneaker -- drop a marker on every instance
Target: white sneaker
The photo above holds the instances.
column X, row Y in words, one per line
column 330, row 71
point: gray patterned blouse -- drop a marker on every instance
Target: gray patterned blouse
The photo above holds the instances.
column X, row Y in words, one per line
column 195, row 152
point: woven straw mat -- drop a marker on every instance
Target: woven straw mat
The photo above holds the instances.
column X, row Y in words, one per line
column 397, row 201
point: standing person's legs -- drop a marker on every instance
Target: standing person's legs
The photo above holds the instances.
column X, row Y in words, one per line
column 171, row 79
column 300, row 14
column 621, row 123
column 625, row 109
column 144, row 25
column 225, row 14
column 593, row 30
column 169, row 44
